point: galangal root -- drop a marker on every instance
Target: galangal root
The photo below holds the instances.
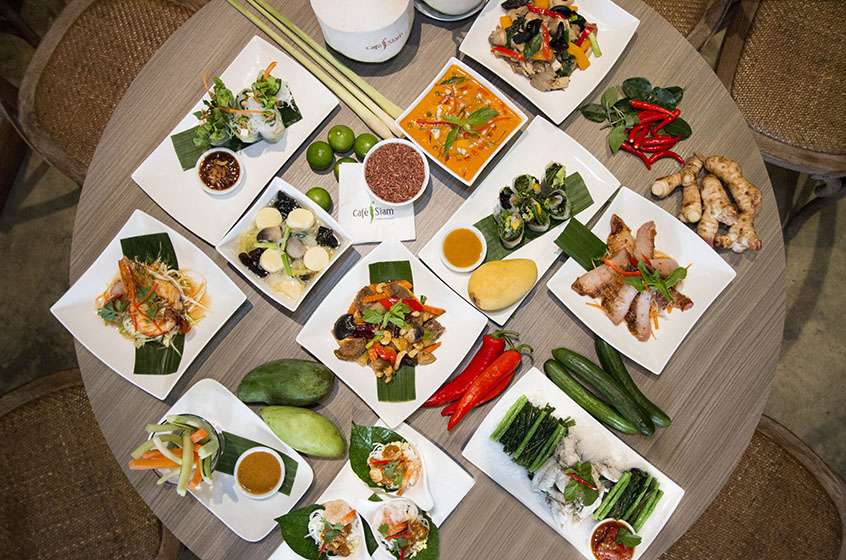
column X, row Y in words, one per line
column 741, row 235
column 686, row 177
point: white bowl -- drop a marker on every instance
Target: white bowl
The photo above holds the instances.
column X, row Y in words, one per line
column 605, row 522
column 419, row 152
column 478, row 261
column 454, row 7
column 241, row 170
column 365, row 30
column 243, row 492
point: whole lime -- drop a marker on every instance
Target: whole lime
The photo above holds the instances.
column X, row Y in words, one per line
column 363, row 144
column 319, row 156
column 321, row 197
column 339, row 162
column 341, row 138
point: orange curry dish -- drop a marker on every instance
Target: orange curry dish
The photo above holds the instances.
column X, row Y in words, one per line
column 460, row 122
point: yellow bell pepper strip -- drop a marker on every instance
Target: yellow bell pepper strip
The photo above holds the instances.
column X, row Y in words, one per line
column 586, row 46
column 505, row 22
column 543, row 4
column 581, row 59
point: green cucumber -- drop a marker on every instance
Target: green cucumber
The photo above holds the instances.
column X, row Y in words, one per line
column 612, row 362
column 288, row 382
column 506, row 421
column 590, row 373
column 611, row 497
column 584, row 398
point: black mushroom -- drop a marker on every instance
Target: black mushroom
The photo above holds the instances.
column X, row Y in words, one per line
column 511, row 4
column 285, row 204
column 346, row 327
column 251, row 261
column 326, row 237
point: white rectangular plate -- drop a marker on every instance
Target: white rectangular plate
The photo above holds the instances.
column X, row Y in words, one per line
column 229, row 246
column 250, row 519
column 448, row 482
column 540, row 144
column 707, row 277
column 77, row 312
column 490, row 87
column 179, row 193
column 616, row 29
column 595, row 443
column 461, row 320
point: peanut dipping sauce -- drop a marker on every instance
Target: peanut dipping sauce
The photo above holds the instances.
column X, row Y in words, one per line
column 462, row 248
column 259, row 472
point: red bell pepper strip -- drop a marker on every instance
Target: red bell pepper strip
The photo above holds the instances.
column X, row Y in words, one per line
column 493, row 345
column 544, row 11
column 385, row 353
column 622, row 272
column 449, row 410
column 666, row 154
column 632, row 150
column 506, row 364
column 414, row 304
column 387, row 303
column 509, row 53
column 424, row 122
column 546, row 51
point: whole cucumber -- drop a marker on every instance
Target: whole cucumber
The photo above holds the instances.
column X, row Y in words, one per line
column 305, row 430
column 612, row 362
column 584, row 398
column 590, row 373
column 287, row 382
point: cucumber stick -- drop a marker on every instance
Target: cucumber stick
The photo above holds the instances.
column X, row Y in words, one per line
column 584, row 398
column 612, row 362
column 653, row 498
column 590, row 373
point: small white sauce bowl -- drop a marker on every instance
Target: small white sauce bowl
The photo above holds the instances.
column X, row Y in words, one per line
column 478, row 261
column 241, row 171
column 243, row 491
column 600, row 524
column 418, row 151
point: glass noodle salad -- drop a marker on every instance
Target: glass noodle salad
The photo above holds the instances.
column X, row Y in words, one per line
column 402, row 528
column 395, row 466
column 335, row 529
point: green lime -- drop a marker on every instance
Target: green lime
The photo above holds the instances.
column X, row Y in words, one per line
column 319, row 156
column 341, row 138
column 363, row 144
column 340, row 161
column 321, row 197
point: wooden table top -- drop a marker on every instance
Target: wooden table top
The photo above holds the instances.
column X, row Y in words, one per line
column 714, row 387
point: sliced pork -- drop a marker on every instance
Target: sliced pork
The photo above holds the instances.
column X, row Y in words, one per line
column 620, row 237
column 593, row 282
column 616, row 304
column 637, row 318
column 644, row 245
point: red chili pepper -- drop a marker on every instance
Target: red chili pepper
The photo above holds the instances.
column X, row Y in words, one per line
column 544, row 12
column 634, row 132
column 493, row 345
column 633, row 261
column 658, row 141
column 510, row 53
column 506, row 364
column 664, row 122
column 638, row 104
column 666, row 154
column 414, row 304
column 622, row 272
column 387, row 303
column 581, row 480
column 449, row 410
column 422, row 122
column 632, row 150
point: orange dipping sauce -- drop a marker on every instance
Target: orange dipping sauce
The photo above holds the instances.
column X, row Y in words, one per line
column 259, row 472
column 462, row 248
column 457, row 95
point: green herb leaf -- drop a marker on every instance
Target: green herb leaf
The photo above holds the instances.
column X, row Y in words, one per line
column 372, row 315
column 679, row 128
column 593, row 112
column 450, row 140
column 627, row 538
column 617, row 136
column 294, row 528
column 481, row 116
column 637, row 88
column 668, row 98
column 609, row 97
column 453, row 80
column 636, row 282
column 533, row 46
column 675, row 277
column 577, row 490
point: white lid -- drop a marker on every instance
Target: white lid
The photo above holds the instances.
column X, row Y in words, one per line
column 358, row 15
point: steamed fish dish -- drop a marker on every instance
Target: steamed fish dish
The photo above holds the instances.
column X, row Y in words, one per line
column 635, row 283
column 256, row 113
column 287, row 246
column 388, row 326
column 402, row 528
column 544, row 41
column 395, row 467
column 337, row 531
column 149, row 302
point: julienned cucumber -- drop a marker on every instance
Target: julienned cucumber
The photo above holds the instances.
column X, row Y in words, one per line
column 612, row 362
column 584, row 398
column 590, row 373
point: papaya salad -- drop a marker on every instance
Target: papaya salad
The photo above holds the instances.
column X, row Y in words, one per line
column 545, row 40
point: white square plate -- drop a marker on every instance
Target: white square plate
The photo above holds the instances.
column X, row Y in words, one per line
column 229, row 246
column 461, row 320
column 448, row 482
column 77, row 312
column 490, row 87
column 540, row 144
column 595, row 443
column 179, row 193
column 250, row 519
column 706, row 279
column 616, row 29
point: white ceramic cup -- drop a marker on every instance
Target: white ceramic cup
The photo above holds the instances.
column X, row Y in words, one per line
column 242, row 491
column 237, row 183
column 478, row 261
column 365, row 30
column 453, row 7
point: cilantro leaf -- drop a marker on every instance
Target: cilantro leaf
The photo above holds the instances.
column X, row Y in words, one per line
column 372, row 315
column 627, row 538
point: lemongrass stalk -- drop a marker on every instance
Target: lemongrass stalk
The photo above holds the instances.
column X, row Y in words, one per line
column 389, row 106
column 352, row 86
column 364, row 113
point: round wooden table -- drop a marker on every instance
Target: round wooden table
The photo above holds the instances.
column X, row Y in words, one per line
column 715, row 386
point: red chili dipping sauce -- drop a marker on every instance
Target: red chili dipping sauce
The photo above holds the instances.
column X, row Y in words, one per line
column 603, row 542
column 394, row 172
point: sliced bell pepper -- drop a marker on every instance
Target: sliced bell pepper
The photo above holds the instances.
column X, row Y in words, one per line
column 385, row 353
column 387, row 303
column 507, row 53
column 581, row 59
column 505, row 22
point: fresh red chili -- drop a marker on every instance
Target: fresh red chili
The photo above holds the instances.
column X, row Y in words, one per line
column 493, row 345
column 658, row 141
column 646, row 260
column 632, row 150
column 634, row 132
column 581, row 480
column 506, row 364
column 664, row 122
column 638, row 104
column 510, row 53
column 666, row 154
column 449, row 410
column 421, row 122
column 387, row 303
column 622, row 272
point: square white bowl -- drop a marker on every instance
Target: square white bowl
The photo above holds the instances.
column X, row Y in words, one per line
column 616, row 29
column 250, row 519
column 462, row 321
column 706, row 279
column 178, row 191
column 77, row 312
column 490, row 87
column 229, row 245
column 596, row 443
column 540, row 144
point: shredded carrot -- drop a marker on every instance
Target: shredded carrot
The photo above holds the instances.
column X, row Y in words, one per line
column 269, row 69
column 239, row 111
column 153, row 454
column 433, row 310
column 199, row 435
column 654, row 316
column 432, row 347
column 147, row 464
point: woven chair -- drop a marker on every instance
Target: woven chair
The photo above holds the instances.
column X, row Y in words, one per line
column 784, row 65
column 62, row 496
column 82, row 68
column 697, row 20
column 781, row 503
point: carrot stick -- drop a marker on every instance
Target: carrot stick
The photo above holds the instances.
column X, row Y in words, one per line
column 147, row 464
column 199, row 435
column 153, row 454
column 432, row 347
column 269, row 69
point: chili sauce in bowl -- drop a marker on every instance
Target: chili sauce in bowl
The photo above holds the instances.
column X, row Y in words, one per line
column 463, row 248
column 220, row 171
column 603, row 541
column 259, row 473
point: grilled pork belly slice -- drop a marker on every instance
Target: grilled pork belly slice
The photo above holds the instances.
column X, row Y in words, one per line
column 637, row 318
column 620, row 238
column 616, row 304
column 593, row 282
column 680, row 301
column 645, row 241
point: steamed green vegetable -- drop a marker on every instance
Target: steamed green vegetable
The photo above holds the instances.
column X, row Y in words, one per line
column 287, row 382
column 305, row 430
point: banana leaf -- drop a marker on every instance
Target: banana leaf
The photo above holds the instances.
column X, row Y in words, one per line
column 362, row 440
column 294, row 528
column 402, row 386
column 579, row 243
column 234, row 446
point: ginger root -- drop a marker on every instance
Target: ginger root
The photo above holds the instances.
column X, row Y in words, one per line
column 741, row 235
column 716, row 201
column 707, row 226
column 685, row 176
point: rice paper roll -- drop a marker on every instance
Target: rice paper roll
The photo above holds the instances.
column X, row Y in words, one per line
column 244, row 128
column 269, row 125
column 557, row 204
column 535, row 216
column 510, row 227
